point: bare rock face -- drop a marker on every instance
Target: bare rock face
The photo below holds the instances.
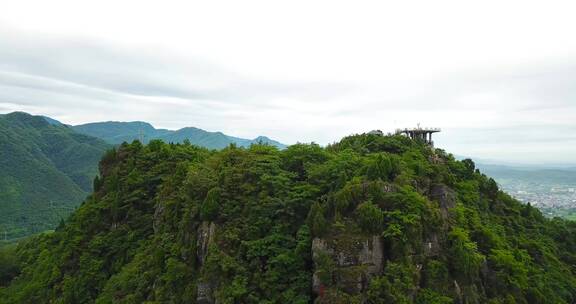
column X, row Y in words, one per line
column 352, row 261
column 431, row 245
column 371, row 254
column 446, row 197
column 458, row 292
column 206, row 235
column 158, row 214
column 204, row 293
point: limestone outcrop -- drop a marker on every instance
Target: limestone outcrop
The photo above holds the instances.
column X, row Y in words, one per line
column 345, row 262
column 206, row 235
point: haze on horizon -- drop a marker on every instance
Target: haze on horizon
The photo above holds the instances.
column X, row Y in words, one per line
column 497, row 77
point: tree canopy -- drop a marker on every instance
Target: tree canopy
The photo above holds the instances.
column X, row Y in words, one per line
column 176, row 223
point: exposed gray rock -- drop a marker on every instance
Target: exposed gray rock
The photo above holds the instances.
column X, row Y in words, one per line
column 158, row 214
column 205, row 237
column 316, row 283
column 319, row 245
column 458, row 292
column 431, row 245
column 446, row 197
column 357, row 259
column 371, row 255
column 204, row 294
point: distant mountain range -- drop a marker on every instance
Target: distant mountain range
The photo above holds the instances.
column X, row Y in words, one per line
column 493, row 163
column 46, row 170
column 115, row 132
column 541, row 175
column 47, row 167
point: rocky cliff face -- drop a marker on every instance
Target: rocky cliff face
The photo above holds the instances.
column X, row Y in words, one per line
column 345, row 262
column 205, row 237
column 445, row 197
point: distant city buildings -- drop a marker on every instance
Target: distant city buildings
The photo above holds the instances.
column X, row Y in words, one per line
column 553, row 200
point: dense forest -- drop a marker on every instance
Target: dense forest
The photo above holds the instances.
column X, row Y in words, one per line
column 46, row 170
column 370, row 219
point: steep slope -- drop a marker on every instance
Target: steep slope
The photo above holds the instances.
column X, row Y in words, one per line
column 371, row 219
column 46, row 170
column 118, row 132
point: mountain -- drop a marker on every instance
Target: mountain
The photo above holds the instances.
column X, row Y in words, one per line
column 52, row 121
column 370, row 219
column 118, row 132
column 115, row 132
column 541, row 175
column 46, row 169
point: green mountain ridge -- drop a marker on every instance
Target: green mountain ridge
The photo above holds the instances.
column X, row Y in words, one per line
column 46, row 170
column 371, row 219
column 115, row 132
column 47, row 167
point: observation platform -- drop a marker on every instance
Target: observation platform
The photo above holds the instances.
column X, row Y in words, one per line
column 418, row 133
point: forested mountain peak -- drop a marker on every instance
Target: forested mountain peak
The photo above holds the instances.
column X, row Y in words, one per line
column 52, row 121
column 128, row 124
column 114, row 131
column 25, row 119
column 370, row 219
column 47, row 170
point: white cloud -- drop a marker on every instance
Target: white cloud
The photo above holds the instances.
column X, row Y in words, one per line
column 497, row 76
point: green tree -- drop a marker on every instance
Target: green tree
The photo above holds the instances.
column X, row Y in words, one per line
column 211, row 204
column 317, row 220
column 369, row 217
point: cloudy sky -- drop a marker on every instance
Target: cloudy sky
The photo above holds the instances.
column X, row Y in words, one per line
column 499, row 77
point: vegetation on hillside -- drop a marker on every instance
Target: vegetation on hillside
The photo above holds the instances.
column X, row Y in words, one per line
column 175, row 223
column 46, row 171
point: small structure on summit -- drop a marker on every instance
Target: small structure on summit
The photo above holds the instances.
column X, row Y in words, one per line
column 419, row 133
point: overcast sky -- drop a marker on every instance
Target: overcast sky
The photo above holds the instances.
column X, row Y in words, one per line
column 499, row 77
